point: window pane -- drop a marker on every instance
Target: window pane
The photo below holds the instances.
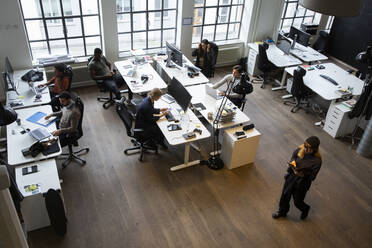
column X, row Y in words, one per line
column 35, row 30
column 51, row 8
column 210, row 15
column 139, row 40
column 73, row 26
column 154, row 39
column 123, row 22
column 238, row 1
column 208, row 32
column 221, row 31
column 89, row 7
column 297, row 22
column 91, row 25
column 233, row 31
column 223, row 14
column 309, row 12
column 124, row 42
column 138, row 5
column 198, row 16
column 300, row 11
column 291, row 10
column 71, row 7
column 92, row 43
column 58, row 47
column 308, row 20
column 31, row 9
column 236, row 13
column 225, row 2
column 317, row 18
column 287, row 23
column 169, row 19
column 76, row 47
column 196, row 34
column 169, row 35
column 139, row 21
column 199, row 3
column 154, row 5
column 39, row 49
column 211, row 2
column 154, row 20
column 55, row 28
column 122, row 5
column 170, row 4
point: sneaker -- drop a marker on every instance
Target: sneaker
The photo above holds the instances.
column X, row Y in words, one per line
column 121, row 101
column 278, row 214
column 305, row 213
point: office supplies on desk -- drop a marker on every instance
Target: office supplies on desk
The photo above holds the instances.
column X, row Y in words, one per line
column 38, row 118
column 174, row 127
column 199, row 106
column 33, row 188
column 29, row 170
column 331, row 80
column 212, row 92
column 170, row 116
column 168, row 98
column 40, row 133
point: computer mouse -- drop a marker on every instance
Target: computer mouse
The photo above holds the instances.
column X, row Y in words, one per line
column 38, row 96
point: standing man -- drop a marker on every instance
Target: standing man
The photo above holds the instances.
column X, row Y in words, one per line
column 302, row 170
column 206, row 57
column 101, row 69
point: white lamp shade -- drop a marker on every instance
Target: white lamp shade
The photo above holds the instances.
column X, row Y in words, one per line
column 341, row 8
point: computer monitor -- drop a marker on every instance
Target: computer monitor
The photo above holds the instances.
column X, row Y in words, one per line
column 174, row 54
column 284, row 45
column 8, row 75
column 179, row 93
column 302, row 37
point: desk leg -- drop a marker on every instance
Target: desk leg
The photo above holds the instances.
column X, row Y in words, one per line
column 195, row 146
column 186, row 162
column 282, row 83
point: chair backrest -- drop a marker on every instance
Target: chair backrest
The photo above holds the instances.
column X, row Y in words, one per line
column 68, row 73
column 262, row 60
column 214, row 47
column 80, row 105
column 322, row 41
column 99, row 83
column 298, row 89
column 127, row 118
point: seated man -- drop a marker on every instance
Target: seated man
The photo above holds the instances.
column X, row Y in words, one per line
column 101, row 69
column 147, row 116
column 69, row 118
column 206, row 56
column 233, row 79
column 61, row 83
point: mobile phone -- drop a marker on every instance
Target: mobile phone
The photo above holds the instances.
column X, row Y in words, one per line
column 189, row 135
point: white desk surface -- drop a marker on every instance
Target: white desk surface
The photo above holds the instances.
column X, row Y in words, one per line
column 326, row 89
column 277, row 57
column 47, row 176
column 307, row 54
column 188, row 123
column 17, row 142
column 199, row 95
column 155, row 81
column 25, row 93
column 181, row 73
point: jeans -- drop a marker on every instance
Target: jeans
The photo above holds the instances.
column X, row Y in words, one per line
column 114, row 84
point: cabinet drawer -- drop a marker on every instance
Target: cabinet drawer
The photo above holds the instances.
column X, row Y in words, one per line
column 330, row 130
column 332, row 123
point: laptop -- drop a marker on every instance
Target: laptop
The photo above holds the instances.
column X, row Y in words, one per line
column 40, row 133
column 212, row 92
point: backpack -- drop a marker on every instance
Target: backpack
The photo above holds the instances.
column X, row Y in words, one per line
column 244, row 87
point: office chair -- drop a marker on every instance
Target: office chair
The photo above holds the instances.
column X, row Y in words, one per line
column 107, row 100
column 73, row 139
column 299, row 91
column 138, row 140
column 322, row 41
column 263, row 62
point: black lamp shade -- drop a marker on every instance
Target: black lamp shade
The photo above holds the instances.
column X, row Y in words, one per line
column 341, row 8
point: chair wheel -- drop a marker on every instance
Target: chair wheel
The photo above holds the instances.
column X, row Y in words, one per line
column 262, row 86
column 87, row 149
column 125, row 152
column 64, row 165
column 83, row 162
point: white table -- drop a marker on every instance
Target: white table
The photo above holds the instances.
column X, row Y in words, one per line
column 326, row 89
column 137, row 87
column 17, row 142
column 33, row 206
column 180, row 73
column 199, row 95
column 188, row 123
column 26, row 95
column 307, row 54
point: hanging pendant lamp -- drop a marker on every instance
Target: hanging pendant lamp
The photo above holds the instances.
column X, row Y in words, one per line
column 341, row 8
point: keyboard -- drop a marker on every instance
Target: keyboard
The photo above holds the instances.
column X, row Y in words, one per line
column 170, row 116
column 168, row 98
column 331, row 80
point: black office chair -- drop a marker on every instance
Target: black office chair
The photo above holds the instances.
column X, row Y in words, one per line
column 299, row 91
column 263, row 62
column 73, row 139
column 107, row 100
column 321, row 43
column 69, row 73
column 138, row 140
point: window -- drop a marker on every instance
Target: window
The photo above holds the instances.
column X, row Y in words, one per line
column 146, row 24
column 294, row 15
column 217, row 20
column 330, row 22
column 61, row 27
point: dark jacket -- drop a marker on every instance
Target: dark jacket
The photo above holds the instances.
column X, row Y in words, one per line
column 145, row 114
column 309, row 165
column 209, row 58
column 364, row 100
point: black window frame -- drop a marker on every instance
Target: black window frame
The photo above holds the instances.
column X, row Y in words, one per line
column 283, row 17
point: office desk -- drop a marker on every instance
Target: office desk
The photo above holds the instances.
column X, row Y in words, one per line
column 179, row 73
column 17, row 141
column 33, row 206
column 307, row 54
column 199, row 95
column 155, row 81
column 188, row 123
column 326, row 89
column 25, row 93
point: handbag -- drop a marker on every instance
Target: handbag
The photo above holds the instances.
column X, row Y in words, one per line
column 244, row 87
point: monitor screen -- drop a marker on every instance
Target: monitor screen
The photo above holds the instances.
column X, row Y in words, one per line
column 302, row 37
column 284, row 45
column 179, row 93
column 174, row 54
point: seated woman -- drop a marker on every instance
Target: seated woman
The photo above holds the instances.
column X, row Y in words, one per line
column 233, row 79
column 61, row 83
column 147, row 116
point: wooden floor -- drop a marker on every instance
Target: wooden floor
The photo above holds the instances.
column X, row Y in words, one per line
column 117, row 201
